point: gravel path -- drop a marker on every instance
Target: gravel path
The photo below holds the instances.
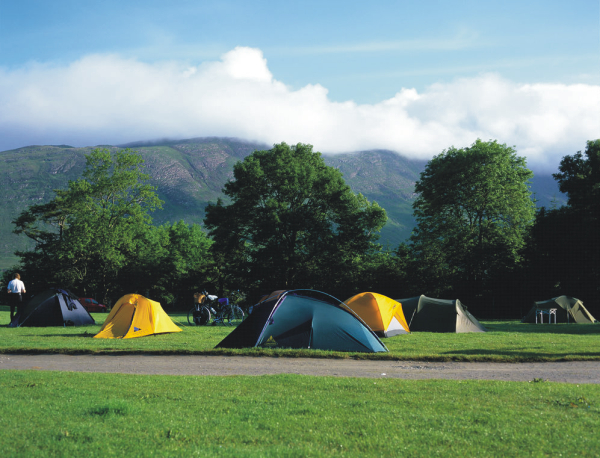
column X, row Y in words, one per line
column 568, row 372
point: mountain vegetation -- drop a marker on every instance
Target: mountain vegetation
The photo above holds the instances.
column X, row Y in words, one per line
column 189, row 174
column 99, row 221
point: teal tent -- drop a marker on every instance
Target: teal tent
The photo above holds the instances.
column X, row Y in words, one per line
column 303, row 319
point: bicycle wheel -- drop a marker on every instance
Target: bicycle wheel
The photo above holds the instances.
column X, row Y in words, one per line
column 191, row 316
column 235, row 315
column 199, row 317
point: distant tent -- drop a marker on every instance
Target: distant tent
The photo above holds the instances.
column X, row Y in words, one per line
column 382, row 314
column 425, row 314
column 136, row 316
column 303, row 319
column 568, row 310
column 54, row 307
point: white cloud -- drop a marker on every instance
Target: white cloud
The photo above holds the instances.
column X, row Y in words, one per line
column 109, row 99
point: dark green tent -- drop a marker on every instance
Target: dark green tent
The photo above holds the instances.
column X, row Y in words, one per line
column 568, row 310
column 303, row 319
column 427, row 314
column 54, row 307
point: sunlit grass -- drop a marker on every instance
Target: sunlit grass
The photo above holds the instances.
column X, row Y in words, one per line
column 505, row 341
column 79, row 414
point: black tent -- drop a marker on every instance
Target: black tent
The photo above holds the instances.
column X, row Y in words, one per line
column 303, row 319
column 54, row 307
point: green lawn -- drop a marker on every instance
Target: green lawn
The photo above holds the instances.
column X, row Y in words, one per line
column 505, row 341
column 79, row 414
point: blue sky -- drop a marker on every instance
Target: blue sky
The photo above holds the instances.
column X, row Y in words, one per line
column 380, row 74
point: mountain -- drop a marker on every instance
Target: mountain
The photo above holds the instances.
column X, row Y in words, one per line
column 190, row 173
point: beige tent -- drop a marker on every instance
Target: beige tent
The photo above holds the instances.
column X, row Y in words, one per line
column 136, row 316
column 568, row 310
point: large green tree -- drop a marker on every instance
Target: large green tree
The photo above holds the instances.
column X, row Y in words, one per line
column 564, row 254
column 89, row 232
column 473, row 212
column 292, row 223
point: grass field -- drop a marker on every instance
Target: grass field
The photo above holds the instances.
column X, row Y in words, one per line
column 78, row 414
column 83, row 414
column 508, row 341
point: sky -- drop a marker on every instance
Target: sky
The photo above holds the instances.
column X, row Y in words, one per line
column 411, row 77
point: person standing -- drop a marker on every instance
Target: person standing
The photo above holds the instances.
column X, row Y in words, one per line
column 16, row 289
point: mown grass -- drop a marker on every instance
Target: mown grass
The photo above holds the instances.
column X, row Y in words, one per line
column 506, row 341
column 79, row 414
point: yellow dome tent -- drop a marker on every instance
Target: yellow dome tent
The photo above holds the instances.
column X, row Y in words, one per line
column 382, row 314
column 136, row 316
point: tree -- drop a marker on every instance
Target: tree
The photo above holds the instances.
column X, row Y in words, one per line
column 579, row 178
column 172, row 263
column 564, row 256
column 86, row 235
column 473, row 212
column 292, row 222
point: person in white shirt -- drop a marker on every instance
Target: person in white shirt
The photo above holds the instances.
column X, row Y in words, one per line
column 16, row 289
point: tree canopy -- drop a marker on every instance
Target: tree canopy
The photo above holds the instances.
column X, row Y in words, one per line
column 564, row 252
column 473, row 212
column 292, row 222
column 96, row 235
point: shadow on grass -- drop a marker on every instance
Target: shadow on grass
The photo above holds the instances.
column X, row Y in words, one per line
column 562, row 328
column 85, row 334
column 522, row 355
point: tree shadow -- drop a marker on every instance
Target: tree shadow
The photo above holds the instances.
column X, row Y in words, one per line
column 84, row 334
column 524, row 354
column 560, row 328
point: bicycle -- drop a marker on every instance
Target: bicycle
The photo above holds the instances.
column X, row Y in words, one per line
column 207, row 307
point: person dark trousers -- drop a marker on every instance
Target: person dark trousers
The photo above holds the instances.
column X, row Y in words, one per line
column 16, row 289
column 15, row 300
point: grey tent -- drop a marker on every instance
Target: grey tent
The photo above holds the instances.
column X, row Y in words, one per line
column 54, row 307
column 568, row 310
column 427, row 314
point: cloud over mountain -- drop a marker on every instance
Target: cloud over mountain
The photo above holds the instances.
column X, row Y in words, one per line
column 111, row 99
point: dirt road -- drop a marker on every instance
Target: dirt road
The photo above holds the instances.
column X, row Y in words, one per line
column 568, row 372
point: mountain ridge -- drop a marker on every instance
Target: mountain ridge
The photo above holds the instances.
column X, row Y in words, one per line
column 191, row 173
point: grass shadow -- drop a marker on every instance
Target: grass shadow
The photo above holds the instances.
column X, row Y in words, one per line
column 561, row 328
column 520, row 355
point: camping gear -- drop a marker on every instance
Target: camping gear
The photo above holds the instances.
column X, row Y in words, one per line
column 303, row 319
column 136, row 316
column 426, row 314
column 383, row 315
column 54, row 307
column 566, row 310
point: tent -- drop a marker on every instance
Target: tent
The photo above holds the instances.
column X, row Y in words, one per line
column 382, row 314
column 303, row 319
column 136, row 316
column 425, row 314
column 568, row 310
column 54, row 307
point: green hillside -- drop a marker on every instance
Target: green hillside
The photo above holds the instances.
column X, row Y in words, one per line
column 190, row 173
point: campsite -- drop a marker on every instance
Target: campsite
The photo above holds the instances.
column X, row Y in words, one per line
column 236, row 228
column 505, row 341
column 296, row 415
